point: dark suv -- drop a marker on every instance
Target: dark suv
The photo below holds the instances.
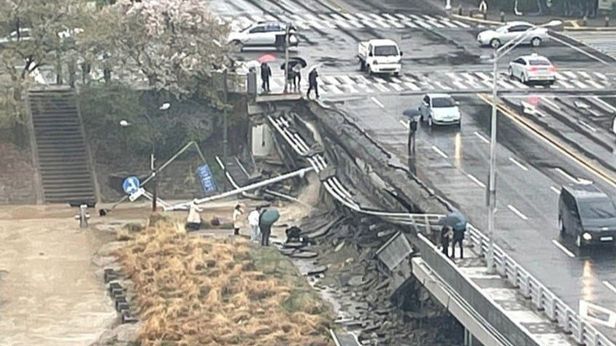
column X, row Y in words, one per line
column 587, row 214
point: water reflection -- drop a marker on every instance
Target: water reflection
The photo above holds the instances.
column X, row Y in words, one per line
column 457, row 149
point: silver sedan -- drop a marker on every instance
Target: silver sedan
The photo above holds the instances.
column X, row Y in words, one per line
column 511, row 31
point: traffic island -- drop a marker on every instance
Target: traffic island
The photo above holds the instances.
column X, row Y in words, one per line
column 194, row 290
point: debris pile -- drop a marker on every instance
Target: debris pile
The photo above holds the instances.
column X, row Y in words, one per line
column 347, row 272
column 190, row 290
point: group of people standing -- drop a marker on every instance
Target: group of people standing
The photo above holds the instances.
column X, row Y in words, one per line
column 260, row 227
column 294, row 79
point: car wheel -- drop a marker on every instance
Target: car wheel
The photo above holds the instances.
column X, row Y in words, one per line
column 535, row 42
column 561, row 226
column 495, row 43
column 510, row 71
column 362, row 65
column 430, row 121
column 524, row 78
column 396, row 74
column 237, row 45
column 369, row 70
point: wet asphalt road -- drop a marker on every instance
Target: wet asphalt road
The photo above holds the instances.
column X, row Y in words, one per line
column 455, row 161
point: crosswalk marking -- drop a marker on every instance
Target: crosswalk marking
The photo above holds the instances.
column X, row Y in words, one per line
column 345, row 20
column 359, row 83
column 564, row 84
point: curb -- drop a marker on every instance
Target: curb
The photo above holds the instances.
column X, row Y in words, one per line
column 566, row 28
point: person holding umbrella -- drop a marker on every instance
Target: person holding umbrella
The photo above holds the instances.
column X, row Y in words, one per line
column 267, row 218
column 458, row 222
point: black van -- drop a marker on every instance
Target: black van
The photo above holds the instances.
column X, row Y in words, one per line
column 586, row 214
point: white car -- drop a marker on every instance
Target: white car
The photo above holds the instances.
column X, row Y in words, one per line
column 510, row 31
column 532, row 68
column 264, row 34
column 440, row 109
column 24, row 35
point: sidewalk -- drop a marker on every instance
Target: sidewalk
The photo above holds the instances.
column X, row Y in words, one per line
column 493, row 17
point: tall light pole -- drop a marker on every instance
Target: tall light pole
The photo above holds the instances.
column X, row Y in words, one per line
column 286, row 56
column 153, row 169
column 491, row 193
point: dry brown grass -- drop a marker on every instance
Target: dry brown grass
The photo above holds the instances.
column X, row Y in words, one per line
column 194, row 291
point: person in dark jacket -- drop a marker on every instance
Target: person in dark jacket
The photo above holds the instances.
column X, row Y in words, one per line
column 266, row 73
column 312, row 83
column 458, row 237
column 446, row 235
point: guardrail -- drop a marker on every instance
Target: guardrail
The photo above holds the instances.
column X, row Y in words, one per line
column 541, row 297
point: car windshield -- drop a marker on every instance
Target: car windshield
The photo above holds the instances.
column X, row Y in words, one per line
column 385, row 50
column 443, row 102
column 538, row 62
column 597, row 209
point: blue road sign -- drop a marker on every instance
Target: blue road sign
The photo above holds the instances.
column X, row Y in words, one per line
column 130, row 185
column 206, row 178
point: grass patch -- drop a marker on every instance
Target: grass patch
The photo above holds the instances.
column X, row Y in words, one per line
column 207, row 291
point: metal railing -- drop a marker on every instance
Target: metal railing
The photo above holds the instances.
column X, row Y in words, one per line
column 542, row 298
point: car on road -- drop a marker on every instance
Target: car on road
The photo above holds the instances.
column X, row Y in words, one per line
column 532, row 69
column 264, row 34
column 512, row 30
column 587, row 214
column 379, row 56
column 440, row 109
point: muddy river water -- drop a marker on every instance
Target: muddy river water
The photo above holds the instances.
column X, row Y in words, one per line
column 49, row 294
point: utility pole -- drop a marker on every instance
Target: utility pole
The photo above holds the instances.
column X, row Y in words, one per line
column 225, row 95
column 154, row 180
column 286, row 57
column 491, row 193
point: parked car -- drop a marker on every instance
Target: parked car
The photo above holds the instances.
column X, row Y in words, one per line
column 510, row 31
column 440, row 109
column 24, row 35
column 533, row 68
column 379, row 56
column 586, row 214
column 264, row 34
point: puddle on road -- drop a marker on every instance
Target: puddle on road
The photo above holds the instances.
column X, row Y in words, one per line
column 49, row 294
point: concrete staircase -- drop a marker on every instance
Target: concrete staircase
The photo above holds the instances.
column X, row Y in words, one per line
column 61, row 155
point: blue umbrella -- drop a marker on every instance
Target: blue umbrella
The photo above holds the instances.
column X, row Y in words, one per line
column 455, row 219
column 268, row 217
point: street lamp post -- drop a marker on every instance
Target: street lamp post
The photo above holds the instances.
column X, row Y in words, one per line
column 153, row 168
column 491, row 193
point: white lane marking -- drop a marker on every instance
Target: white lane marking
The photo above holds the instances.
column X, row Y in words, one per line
column 439, row 151
column 571, row 74
column 563, row 248
column 378, row 103
column 517, row 212
column 578, row 49
column 609, row 286
column 586, row 125
column 600, row 75
column 563, row 84
column 567, row 175
column 550, row 102
column 381, row 87
column 518, row 163
column 405, row 124
column 556, row 190
column 482, row 137
column 607, row 105
column 475, row 180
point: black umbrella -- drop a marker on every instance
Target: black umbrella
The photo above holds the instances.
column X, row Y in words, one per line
column 411, row 112
column 295, row 61
column 455, row 219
